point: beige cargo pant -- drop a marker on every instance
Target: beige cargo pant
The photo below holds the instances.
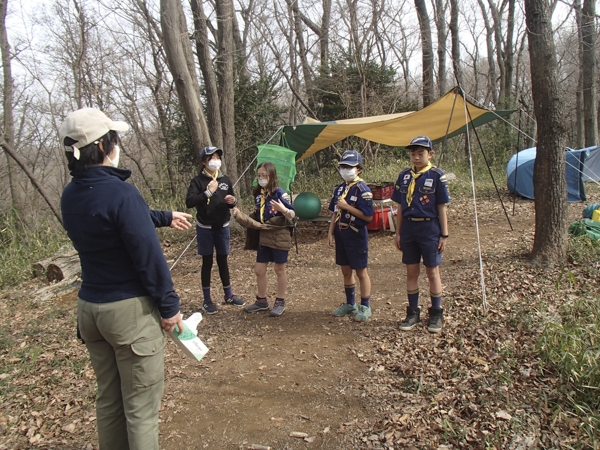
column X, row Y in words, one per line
column 126, row 346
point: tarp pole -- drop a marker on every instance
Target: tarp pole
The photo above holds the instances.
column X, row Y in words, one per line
column 517, row 161
column 444, row 144
column 481, row 275
column 489, row 169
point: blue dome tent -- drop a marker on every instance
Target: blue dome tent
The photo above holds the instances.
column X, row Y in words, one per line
column 519, row 171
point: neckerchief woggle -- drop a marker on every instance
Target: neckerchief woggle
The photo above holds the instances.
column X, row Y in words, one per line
column 338, row 215
column 413, row 182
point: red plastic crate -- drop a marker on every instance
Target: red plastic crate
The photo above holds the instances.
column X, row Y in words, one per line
column 381, row 191
column 377, row 222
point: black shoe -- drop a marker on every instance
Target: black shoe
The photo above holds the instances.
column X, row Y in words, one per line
column 436, row 317
column 235, row 300
column 413, row 317
column 210, row 308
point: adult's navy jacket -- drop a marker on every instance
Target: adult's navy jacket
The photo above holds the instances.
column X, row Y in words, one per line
column 113, row 230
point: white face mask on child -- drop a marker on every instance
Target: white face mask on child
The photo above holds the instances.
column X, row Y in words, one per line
column 214, row 164
column 115, row 162
column 348, row 174
column 262, row 182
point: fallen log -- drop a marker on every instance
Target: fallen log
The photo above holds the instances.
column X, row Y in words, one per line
column 63, row 267
column 58, row 266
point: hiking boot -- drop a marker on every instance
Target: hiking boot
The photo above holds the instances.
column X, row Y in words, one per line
column 234, row 300
column 345, row 309
column 261, row 304
column 210, row 308
column 278, row 307
column 413, row 317
column 364, row 312
column 436, row 317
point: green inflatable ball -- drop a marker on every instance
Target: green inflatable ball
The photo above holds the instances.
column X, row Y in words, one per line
column 307, row 206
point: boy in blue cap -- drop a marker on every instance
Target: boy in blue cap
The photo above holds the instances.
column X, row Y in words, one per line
column 211, row 193
column 422, row 229
column 352, row 210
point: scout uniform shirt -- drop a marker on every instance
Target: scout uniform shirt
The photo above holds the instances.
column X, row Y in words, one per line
column 358, row 195
column 430, row 191
column 263, row 208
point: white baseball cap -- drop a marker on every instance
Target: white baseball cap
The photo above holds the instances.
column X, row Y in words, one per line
column 87, row 125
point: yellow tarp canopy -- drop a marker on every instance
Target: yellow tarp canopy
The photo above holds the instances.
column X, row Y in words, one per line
column 447, row 116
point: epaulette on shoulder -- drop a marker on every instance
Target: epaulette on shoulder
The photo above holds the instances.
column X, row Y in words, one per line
column 437, row 170
column 362, row 186
column 406, row 169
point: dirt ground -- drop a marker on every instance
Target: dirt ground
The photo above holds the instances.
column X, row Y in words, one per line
column 309, row 380
column 267, row 377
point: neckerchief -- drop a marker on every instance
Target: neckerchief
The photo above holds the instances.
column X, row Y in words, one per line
column 413, row 182
column 214, row 177
column 348, row 186
column 263, row 200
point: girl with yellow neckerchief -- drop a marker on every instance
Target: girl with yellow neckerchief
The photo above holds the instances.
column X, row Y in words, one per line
column 352, row 210
column 422, row 229
column 272, row 215
column 211, row 193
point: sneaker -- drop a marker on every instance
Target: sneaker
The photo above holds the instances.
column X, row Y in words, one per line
column 278, row 308
column 364, row 312
column 412, row 318
column 234, row 300
column 210, row 308
column 258, row 305
column 345, row 309
column 436, row 317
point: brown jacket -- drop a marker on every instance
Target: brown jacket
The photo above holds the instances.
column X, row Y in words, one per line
column 275, row 233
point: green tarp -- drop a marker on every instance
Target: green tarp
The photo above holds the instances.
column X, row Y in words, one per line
column 586, row 226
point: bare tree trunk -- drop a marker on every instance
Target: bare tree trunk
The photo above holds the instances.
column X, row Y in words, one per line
column 225, row 77
column 588, row 63
column 497, row 29
column 177, row 48
column 489, row 40
column 509, row 56
column 550, row 186
column 427, row 51
column 10, row 151
column 7, row 105
column 454, row 33
column 579, row 123
column 213, row 108
column 442, row 35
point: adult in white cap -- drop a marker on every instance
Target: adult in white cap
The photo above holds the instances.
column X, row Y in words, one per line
column 127, row 296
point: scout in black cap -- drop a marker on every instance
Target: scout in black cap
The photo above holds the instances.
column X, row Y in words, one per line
column 211, row 193
column 422, row 229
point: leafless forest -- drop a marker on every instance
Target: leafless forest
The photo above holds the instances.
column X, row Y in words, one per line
column 229, row 73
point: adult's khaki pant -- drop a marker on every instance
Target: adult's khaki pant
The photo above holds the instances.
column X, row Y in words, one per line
column 126, row 346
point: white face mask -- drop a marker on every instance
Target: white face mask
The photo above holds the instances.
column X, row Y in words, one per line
column 214, row 164
column 348, row 174
column 262, row 182
column 115, row 162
